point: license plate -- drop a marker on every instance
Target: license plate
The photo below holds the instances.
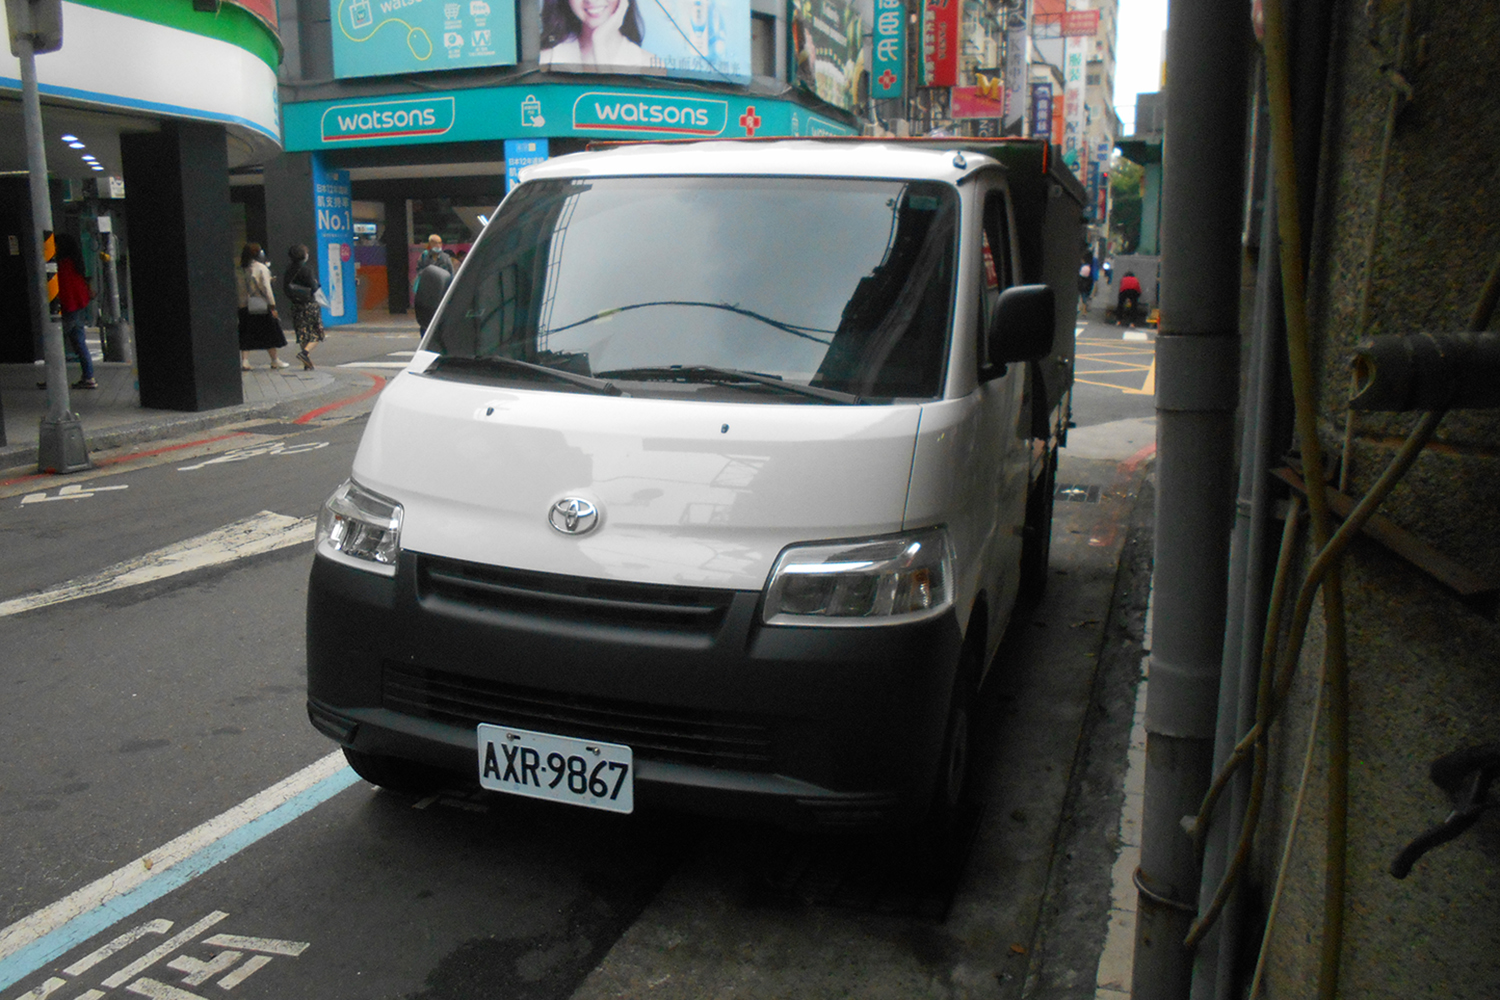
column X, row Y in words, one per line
column 557, row 768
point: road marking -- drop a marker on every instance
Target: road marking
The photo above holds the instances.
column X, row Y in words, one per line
column 30, row 943
column 74, row 492
column 311, row 415
column 1149, row 389
column 1134, row 335
column 263, row 532
column 254, row 451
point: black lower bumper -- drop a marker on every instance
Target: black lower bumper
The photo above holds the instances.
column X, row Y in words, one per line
column 724, row 715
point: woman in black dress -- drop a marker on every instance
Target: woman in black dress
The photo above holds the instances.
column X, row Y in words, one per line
column 260, row 327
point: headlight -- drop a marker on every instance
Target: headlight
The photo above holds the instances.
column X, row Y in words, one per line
column 363, row 527
column 883, row 581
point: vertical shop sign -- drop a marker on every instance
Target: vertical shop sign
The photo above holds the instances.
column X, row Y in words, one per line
column 940, row 43
column 1074, row 153
column 1041, row 110
column 334, row 259
column 1015, row 76
column 522, row 153
column 888, row 51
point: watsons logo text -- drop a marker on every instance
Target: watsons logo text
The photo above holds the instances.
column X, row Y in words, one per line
column 388, row 119
column 649, row 113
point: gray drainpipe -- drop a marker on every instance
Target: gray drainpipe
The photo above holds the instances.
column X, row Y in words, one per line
column 1251, row 553
column 1197, row 364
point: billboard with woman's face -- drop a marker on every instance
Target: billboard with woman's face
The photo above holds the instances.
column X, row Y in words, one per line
column 696, row 38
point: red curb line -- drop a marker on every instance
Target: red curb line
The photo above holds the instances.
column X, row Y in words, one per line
column 127, row 458
column 311, row 415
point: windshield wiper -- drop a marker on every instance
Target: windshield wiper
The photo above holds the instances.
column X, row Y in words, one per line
column 805, row 332
column 519, row 367
column 728, row 376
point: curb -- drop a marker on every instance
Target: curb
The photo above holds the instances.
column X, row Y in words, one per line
column 314, row 403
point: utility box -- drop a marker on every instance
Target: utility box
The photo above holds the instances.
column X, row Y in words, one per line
column 40, row 20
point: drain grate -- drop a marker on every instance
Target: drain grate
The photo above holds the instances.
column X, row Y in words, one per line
column 1078, row 493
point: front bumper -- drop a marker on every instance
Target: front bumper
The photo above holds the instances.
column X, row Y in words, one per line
column 725, row 715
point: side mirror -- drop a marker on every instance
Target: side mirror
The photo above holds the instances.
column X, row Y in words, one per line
column 1023, row 325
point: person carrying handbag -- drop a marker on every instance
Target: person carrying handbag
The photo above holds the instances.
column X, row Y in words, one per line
column 301, row 286
column 260, row 326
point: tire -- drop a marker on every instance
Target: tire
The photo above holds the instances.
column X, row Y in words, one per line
column 953, row 790
column 1036, row 548
column 396, row 774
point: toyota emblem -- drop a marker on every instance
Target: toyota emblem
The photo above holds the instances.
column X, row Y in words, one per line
column 573, row 516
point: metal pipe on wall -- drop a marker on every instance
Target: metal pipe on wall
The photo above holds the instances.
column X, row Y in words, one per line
column 1197, row 351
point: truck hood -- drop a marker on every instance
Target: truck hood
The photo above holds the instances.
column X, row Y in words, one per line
column 688, row 492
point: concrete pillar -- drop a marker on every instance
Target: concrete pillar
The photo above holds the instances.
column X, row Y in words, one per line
column 182, row 266
column 290, row 215
column 394, row 238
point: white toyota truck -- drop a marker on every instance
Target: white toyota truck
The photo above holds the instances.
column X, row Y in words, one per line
column 713, row 483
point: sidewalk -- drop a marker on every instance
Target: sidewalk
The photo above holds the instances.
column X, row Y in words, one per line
column 113, row 417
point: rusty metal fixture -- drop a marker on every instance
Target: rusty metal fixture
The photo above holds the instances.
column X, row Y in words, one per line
column 1427, row 371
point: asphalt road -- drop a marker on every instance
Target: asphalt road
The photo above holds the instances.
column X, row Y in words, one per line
column 137, row 715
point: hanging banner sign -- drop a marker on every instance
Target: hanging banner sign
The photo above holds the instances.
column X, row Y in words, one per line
column 333, row 260
column 1074, row 153
column 1080, row 23
column 391, row 37
column 940, row 43
column 888, row 51
column 1015, row 77
column 1041, row 110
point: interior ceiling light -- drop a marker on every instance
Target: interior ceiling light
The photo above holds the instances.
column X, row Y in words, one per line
column 96, row 167
column 89, row 156
column 70, row 138
column 76, row 145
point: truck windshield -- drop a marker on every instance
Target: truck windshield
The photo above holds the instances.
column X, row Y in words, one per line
column 677, row 285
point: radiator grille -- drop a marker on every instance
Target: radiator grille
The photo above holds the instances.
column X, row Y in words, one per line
column 575, row 599
column 712, row 739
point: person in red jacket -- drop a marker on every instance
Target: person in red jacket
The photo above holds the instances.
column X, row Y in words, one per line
column 74, row 295
column 1130, row 297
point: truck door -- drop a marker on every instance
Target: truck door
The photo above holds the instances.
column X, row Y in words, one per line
column 1005, row 419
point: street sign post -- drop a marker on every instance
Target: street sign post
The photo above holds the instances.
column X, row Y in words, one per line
column 36, row 26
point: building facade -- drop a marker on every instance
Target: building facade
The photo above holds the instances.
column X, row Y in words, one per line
column 116, row 122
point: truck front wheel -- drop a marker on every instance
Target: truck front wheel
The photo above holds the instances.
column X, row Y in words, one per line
column 1036, row 546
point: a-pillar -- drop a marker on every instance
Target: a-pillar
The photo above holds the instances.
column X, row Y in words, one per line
column 182, row 266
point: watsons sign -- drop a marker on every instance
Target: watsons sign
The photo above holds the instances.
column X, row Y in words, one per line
column 650, row 113
column 430, row 116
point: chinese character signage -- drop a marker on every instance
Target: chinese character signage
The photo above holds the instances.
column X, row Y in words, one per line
column 940, row 43
column 888, row 50
column 828, row 43
column 334, row 259
column 1015, row 77
column 1074, row 153
column 693, row 38
column 522, row 153
column 1041, row 110
column 390, row 37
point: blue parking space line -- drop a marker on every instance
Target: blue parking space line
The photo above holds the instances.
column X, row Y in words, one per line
column 81, row 928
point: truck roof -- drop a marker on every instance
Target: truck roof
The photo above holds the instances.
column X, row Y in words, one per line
column 782, row 157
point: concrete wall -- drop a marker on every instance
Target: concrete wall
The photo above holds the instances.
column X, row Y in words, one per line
column 1425, row 668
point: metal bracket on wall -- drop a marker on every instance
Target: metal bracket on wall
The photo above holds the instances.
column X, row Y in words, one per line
column 1466, row 775
column 1473, row 589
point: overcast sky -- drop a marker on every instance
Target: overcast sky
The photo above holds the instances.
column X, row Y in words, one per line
column 1139, row 40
